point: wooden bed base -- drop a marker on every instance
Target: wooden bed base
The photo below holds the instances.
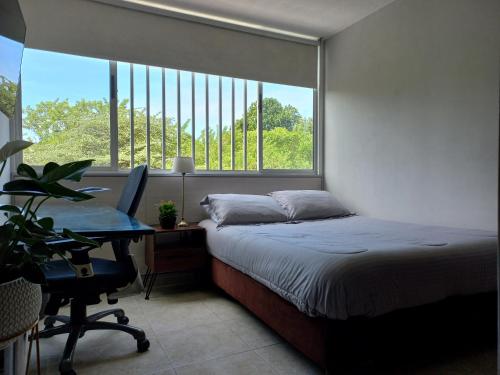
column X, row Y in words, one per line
column 335, row 344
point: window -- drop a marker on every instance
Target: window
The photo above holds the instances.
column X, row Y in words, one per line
column 65, row 108
column 287, row 120
column 226, row 124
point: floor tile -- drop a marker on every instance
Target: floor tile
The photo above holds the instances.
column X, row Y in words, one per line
column 253, row 332
column 247, row 363
column 171, row 314
column 287, row 361
column 225, row 308
column 201, row 343
column 113, row 358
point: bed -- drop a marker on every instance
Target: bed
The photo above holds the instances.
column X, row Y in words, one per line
column 323, row 283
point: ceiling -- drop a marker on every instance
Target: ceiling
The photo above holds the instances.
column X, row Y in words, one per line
column 317, row 18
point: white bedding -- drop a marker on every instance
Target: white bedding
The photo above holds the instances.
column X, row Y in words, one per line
column 358, row 266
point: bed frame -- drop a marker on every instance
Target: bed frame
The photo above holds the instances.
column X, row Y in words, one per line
column 340, row 345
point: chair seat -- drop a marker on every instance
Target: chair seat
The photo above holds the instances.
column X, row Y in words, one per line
column 108, row 276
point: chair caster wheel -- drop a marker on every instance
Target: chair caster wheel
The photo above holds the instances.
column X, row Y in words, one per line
column 66, row 368
column 122, row 320
column 142, row 345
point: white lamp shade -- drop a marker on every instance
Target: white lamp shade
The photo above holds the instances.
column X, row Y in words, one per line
column 183, row 164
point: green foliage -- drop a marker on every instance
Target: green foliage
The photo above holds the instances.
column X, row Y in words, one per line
column 167, row 209
column 8, row 91
column 62, row 130
column 66, row 130
column 274, row 115
column 26, row 240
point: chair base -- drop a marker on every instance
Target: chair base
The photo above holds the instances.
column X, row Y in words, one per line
column 78, row 323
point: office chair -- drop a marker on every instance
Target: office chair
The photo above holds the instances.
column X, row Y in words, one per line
column 66, row 287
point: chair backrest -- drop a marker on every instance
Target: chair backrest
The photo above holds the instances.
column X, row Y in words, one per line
column 132, row 192
column 128, row 203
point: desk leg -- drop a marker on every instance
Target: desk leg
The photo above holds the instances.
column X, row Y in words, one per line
column 151, row 284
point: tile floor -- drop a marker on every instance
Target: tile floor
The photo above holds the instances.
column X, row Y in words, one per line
column 205, row 332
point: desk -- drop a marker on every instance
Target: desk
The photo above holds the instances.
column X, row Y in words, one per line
column 95, row 221
column 104, row 222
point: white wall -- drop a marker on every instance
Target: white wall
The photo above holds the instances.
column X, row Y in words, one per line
column 411, row 112
column 4, row 138
column 169, row 187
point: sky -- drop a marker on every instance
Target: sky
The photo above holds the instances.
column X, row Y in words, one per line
column 51, row 76
column 10, row 58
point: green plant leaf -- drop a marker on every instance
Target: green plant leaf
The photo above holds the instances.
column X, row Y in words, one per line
column 13, row 147
column 37, row 231
column 7, row 232
column 10, row 208
column 24, row 187
column 26, row 171
column 18, row 219
column 79, row 238
column 49, row 166
column 70, row 171
column 167, row 209
column 46, row 223
column 58, row 191
column 37, row 188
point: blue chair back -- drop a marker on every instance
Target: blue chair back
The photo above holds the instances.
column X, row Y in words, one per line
column 133, row 190
column 128, row 203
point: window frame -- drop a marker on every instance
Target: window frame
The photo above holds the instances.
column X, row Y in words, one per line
column 114, row 170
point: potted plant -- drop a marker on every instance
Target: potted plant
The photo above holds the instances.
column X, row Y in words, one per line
column 168, row 214
column 27, row 240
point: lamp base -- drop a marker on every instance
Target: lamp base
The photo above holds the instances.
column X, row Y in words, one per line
column 183, row 223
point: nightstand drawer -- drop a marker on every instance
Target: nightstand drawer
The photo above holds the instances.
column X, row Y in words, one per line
column 179, row 263
column 179, row 251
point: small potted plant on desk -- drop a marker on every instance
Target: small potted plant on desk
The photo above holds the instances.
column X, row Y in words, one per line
column 28, row 241
column 168, row 214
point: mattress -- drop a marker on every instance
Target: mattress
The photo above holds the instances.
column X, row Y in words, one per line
column 358, row 266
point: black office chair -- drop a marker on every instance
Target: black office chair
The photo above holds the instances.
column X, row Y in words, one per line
column 66, row 287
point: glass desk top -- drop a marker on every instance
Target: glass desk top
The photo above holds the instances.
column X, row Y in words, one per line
column 95, row 221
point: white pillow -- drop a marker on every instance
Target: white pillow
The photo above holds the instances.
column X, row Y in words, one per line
column 227, row 209
column 309, row 204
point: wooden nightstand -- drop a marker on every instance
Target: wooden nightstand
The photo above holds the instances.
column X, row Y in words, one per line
column 181, row 249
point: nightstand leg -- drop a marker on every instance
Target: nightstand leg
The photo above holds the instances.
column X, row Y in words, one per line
column 151, row 284
column 146, row 276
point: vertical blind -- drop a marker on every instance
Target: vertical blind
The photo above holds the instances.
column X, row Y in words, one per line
column 94, row 29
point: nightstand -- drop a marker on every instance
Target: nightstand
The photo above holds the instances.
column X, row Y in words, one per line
column 181, row 249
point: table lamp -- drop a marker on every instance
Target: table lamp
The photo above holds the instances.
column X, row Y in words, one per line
column 183, row 165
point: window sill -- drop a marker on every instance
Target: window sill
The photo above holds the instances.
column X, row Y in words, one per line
column 157, row 173
column 103, row 172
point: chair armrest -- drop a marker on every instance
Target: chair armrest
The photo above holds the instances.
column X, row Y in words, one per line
column 71, row 246
column 80, row 258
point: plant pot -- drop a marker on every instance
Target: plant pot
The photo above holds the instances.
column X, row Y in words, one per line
column 168, row 222
column 20, row 303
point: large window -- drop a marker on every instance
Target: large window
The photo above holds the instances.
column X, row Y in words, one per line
column 226, row 124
